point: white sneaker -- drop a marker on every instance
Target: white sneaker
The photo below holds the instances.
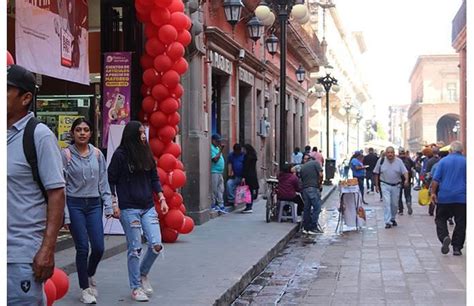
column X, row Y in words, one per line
column 87, row 297
column 93, row 286
column 139, row 295
column 146, row 286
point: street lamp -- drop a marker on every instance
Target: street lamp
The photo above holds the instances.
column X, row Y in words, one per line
column 232, row 10
column 272, row 44
column 456, row 129
column 358, row 119
column 326, row 83
column 300, row 74
column 255, row 28
column 264, row 12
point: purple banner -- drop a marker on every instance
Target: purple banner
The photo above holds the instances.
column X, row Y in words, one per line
column 116, row 91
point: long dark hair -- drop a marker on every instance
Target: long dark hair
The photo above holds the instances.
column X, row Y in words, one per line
column 250, row 151
column 139, row 154
column 76, row 123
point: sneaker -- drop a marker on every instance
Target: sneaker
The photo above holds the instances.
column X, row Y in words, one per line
column 310, row 232
column 93, row 286
column 445, row 247
column 247, row 210
column 87, row 297
column 410, row 211
column 388, row 225
column 457, row 252
column 394, row 223
column 139, row 295
column 146, row 286
column 222, row 209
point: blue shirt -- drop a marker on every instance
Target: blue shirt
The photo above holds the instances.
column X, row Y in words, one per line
column 217, row 167
column 296, row 158
column 451, row 177
column 357, row 163
column 237, row 161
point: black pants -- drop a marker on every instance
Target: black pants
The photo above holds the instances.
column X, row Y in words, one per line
column 445, row 211
column 369, row 181
column 407, row 192
column 360, row 180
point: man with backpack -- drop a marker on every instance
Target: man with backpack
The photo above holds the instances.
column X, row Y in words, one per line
column 35, row 193
column 409, row 164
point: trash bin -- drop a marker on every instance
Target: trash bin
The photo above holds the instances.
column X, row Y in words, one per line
column 330, row 168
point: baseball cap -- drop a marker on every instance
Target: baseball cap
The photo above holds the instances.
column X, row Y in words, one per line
column 216, row 137
column 20, row 77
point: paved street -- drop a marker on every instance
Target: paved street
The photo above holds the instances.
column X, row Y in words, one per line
column 377, row 266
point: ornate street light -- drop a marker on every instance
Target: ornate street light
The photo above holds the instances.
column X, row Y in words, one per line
column 233, row 9
column 255, row 28
column 300, row 74
column 272, row 44
column 326, row 83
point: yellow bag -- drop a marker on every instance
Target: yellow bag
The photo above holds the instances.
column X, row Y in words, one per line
column 424, row 197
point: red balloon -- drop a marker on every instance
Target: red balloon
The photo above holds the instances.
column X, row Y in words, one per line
column 143, row 18
column 182, row 208
column 174, row 118
column 189, row 23
column 163, row 63
column 158, row 120
column 175, row 51
column 167, row 34
column 151, row 30
column 167, row 162
column 145, row 90
column 153, row 132
column 180, row 66
column 151, row 77
column 174, row 219
column 188, row 226
column 168, row 192
column 61, row 282
column 141, row 7
column 160, row 92
column 154, row 47
column 176, row 6
column 146, row 61
column 178, row 20
column 170, row 79
column 163, row 176
column 169, row 106
column 141, row 116
column 169, row 235
column 163, row 3
column 179, row 165
column 167, row 133
column 177, row 178
column 184, row 37
column 50, row 292
column 176, row 128
column 10, row 60
column 160, row 16
column 173, row 149
column 146, row 2
column 175, row 201
column 156, row 146
column 149, row 104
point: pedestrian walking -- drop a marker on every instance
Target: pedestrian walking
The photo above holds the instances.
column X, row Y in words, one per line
column 448, row 192
column 289, row 188
column 235, row 166
column 381, row 156
column 250, row 175
column 418, row 161
column 311, row 174
column 88, row 192
column 296, row 157
column 433, row 160
column 358, row 171
column 317, row 156
column 370, row 160
column 134, row 181
column 217, row 170
column 406, row 189
column 35, row 193
column 389, row 170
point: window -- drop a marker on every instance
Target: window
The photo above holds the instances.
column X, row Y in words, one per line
column 452, row 91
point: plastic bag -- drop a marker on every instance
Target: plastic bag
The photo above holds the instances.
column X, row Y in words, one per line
column 242, row 195
column 424, row 196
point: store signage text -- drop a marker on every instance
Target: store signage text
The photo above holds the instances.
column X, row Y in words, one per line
column 246, row 76
column 220, row 62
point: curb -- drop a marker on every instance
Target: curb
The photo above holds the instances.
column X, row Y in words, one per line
column 233, row 292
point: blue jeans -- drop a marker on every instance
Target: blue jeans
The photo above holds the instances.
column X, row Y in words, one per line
column 86, row 225
column 390, row 195
column 312, row 199
column 133, row 222
column 232, row 183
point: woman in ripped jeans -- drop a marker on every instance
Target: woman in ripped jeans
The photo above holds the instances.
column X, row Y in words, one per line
column 133, row 179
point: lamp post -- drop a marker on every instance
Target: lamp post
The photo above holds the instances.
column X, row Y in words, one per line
column 358, row 119
column 326, row 83
column 456, row 129
column 347, row 108
column 265, row 14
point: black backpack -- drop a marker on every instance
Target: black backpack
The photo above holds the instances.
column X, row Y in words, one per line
column 29, row 149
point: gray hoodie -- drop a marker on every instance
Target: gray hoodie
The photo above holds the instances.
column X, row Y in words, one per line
column 86, row 177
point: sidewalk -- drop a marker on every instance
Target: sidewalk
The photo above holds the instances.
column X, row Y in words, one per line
column 210, row 266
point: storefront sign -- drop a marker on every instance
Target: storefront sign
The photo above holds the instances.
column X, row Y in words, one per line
column 64, row 128
column 51, row 38
column 246, row 76
column 218, row 61
column 116, row 91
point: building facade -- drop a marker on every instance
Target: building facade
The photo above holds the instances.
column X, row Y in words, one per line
column 434, row 107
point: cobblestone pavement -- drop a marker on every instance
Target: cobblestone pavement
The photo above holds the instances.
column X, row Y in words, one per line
column 375, row 266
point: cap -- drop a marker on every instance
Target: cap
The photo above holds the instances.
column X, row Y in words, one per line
column 216, row 137
column 18, row 76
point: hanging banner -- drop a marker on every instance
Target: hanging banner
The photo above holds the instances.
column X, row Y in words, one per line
column 116, row 91
column 51, row 38
column 64, row 129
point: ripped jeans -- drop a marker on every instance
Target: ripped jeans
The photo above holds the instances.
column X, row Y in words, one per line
column 133, row 222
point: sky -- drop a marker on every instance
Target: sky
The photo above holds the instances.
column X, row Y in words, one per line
column 396, row 33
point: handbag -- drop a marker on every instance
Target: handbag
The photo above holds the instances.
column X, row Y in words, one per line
column 424, row 196
column 243, row 194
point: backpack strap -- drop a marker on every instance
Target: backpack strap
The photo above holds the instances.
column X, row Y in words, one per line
column 29, row 149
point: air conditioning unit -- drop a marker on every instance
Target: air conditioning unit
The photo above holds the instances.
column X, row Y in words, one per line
column 264, row 128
